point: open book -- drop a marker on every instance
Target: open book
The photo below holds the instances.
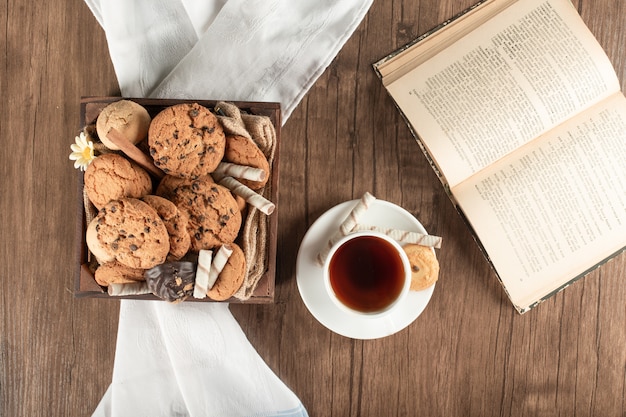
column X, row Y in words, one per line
column 519, row 111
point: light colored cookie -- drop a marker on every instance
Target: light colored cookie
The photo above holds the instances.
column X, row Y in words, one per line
column 232, row 276
column 186, row 140
column 111, row 177
column 176, row 224
column 133, row 233
column 424, row 266
column 127, row 117
column 116, row 273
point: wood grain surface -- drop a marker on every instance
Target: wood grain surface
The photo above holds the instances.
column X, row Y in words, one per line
column 468, row 354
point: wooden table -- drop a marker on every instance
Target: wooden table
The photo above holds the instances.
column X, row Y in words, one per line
column 468, row 354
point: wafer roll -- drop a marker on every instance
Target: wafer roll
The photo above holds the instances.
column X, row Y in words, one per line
column 135, row 288
column 253, row 198
column 240, row 171
column 347, row 225
column 404, row 236
column 201, row 286
column 219, row 261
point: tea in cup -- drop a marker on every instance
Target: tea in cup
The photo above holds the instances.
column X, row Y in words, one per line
column 367, row 273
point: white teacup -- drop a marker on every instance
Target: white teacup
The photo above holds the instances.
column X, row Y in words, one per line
column 367, row 273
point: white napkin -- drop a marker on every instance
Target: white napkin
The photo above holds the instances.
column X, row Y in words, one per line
column 248, row 50
column 192, row 359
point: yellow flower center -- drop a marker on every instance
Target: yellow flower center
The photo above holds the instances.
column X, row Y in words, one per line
column 86, row 153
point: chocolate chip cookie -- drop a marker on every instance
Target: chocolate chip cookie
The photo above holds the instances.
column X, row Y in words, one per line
column 214, row 216
column 133, row 233
column 116, row 273
column 186, row 140
column 172, row 281
column 176, row 224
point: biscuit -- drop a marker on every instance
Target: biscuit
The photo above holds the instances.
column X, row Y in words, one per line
column 172, row 281
column 133, row 233
column 101, row 253
column 214, row 216
column 241, row 203
column 186, row 140
column 111, row 177
column 170, row 183
column 232, row 276
column 116, row 273
column 127, row 117
column 175, row 223
column 243, row 151
column 424, row 266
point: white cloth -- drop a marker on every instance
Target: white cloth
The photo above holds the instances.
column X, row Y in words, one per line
column 192, row 359
column 248, row 50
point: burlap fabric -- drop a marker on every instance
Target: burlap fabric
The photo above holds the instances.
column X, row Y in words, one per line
column 254, row 236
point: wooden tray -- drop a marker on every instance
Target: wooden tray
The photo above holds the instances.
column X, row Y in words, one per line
column 85, row 283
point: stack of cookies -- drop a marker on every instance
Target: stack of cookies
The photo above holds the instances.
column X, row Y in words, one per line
column 152, row 225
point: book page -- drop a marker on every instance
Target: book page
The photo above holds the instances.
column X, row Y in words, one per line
column 434, row 41
column 521, row 73
column 555, row 208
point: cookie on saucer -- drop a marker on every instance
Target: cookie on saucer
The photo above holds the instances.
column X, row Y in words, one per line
column 424, row 266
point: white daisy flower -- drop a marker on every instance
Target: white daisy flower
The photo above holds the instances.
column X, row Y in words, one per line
column 82, row 152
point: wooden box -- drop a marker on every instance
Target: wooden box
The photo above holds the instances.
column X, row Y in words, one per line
column 85, row 283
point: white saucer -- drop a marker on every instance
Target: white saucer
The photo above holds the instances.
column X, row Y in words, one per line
column 311, row 282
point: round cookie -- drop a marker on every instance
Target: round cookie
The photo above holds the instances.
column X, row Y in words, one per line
column 424, row 266
column 127, row 117
column 99, row 251
column 243, row 151
column 186, row 140
column 133, row 232
column 175, row 223
column 214, row 216
column 170, row 183
column 172, row 281
column 116, row 273
column 241, row 203
column 232, row 276
column 111, row 177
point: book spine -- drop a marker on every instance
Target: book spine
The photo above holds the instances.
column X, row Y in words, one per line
column 425, row 35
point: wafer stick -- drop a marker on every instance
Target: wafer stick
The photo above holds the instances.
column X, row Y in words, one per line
column 253, row 198
column 240, row 171
column 201, row 286
column 218, row 264
column 347, row 225
column 404, row 236
column 134, row 153
column 135, row 288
